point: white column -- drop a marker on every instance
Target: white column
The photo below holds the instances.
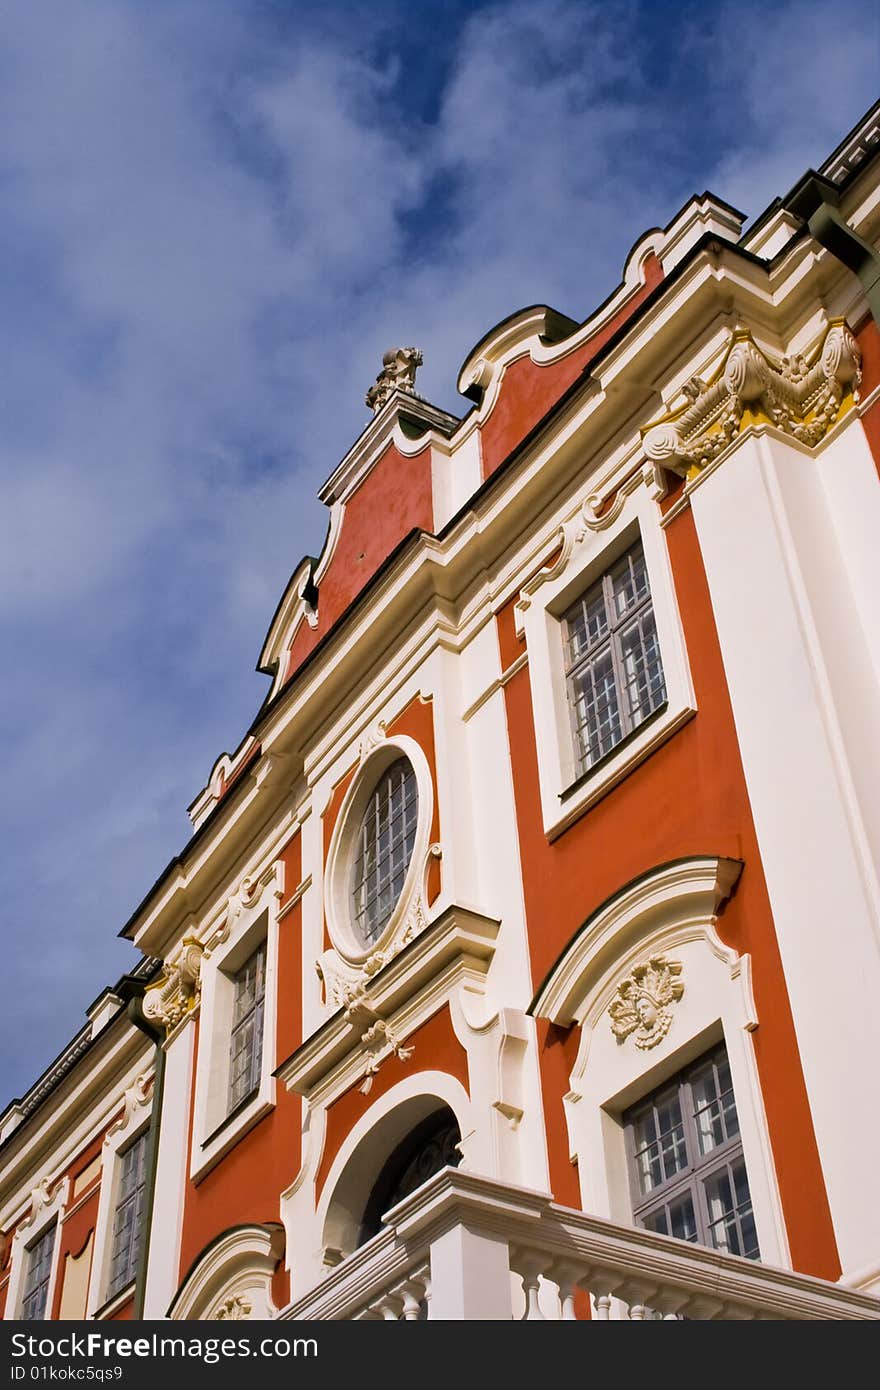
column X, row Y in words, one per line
column 778, row 651
column 470, row 1277
column 171, row 1176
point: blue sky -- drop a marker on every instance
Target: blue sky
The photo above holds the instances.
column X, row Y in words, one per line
column 215, row 218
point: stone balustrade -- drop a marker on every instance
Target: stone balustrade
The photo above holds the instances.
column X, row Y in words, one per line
column 468, row 1247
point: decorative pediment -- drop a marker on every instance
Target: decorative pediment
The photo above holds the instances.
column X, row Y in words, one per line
column 802, row 396
column 375, row 1017
column 232, row 1278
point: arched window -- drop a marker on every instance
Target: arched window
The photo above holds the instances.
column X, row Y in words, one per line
column 432, row 1145
column 383, row 850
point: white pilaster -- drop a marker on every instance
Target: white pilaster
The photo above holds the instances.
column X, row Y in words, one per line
column 171, row 1168
column 756, row 520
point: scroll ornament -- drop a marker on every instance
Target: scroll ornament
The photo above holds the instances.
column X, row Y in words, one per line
column 234, row 1309
column 641, row 1004
column 399, row 367
column 800, row 396
column 176, row 991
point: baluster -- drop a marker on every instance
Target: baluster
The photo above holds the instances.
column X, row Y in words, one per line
column 413, row 1295
column 603, row 1306
column 567, row 1277
column 530, row 1268
column 602, row 1284
column 638, row 1296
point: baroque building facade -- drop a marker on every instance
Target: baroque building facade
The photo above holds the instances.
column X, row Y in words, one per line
column 523, row 960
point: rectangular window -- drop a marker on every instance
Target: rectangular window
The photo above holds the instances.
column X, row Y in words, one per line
column 687, row 1172
column 128, row 1216
column 246, row 1050
column 613, row 670
column 36, row 1279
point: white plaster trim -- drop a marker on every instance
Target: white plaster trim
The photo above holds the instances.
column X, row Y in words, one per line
column 670, row 912
column 351, row 1157
column 47, row 1204
column 137, row 1105
column 238, row 1265
column 455, row 949
column 377, row 753
column 590, row 545
column 685, row 891
column 498, row 684
column 251, row 917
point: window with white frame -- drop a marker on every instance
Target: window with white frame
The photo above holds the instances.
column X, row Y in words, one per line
column 36, row 1277
column 687, row 1172
column 613, row 671
column 246, row 1043
column 128, row 1215
column 384, row 849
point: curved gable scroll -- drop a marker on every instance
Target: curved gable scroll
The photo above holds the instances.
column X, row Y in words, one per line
column 667, row 906
column 232, row 1277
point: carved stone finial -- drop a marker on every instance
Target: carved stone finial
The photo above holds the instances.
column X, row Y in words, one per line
column 641, row 1003
column 399, row 366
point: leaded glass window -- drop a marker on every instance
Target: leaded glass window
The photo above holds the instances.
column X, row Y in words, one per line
column 613, row 670
column 36, row 1278
column 384, row 849
column 246, row 1047
column 687, row 1171
column 129, row 1215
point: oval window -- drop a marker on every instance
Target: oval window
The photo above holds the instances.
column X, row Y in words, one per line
column 383, row 850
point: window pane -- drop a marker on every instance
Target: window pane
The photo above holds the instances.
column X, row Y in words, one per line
column 128, row 1216
column 629, row 581
column 612, row 659
column 36, row 1281
column 689, row 1179
column 676, row 1219
column 731, row 1224
column 714, row 1107
column 596, row 711
column 661, row 1151
column 640, row 663
column 385, row 845
column 586, row 624
column 246, row 1042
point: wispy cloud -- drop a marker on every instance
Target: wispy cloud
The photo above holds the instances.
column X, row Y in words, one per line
column 215, row 217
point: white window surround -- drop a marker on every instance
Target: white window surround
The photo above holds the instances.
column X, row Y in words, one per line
column 232, row 1278
column 216, row 1130
column 48, row 1202
column 590, row 546
column 134, row 1120
column 670, row 911
column 343, row 845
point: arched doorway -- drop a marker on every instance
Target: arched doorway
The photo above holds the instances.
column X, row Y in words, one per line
column 430, row 1146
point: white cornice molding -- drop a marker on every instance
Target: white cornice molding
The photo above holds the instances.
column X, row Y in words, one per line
column 457, row 947
column 70, row 1119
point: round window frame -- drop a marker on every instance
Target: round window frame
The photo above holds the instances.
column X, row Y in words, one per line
column 343, row 845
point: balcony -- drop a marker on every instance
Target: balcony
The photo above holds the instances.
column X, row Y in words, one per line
column 467, row 1247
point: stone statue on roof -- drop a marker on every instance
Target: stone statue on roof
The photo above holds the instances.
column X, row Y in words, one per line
column 399, row 366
